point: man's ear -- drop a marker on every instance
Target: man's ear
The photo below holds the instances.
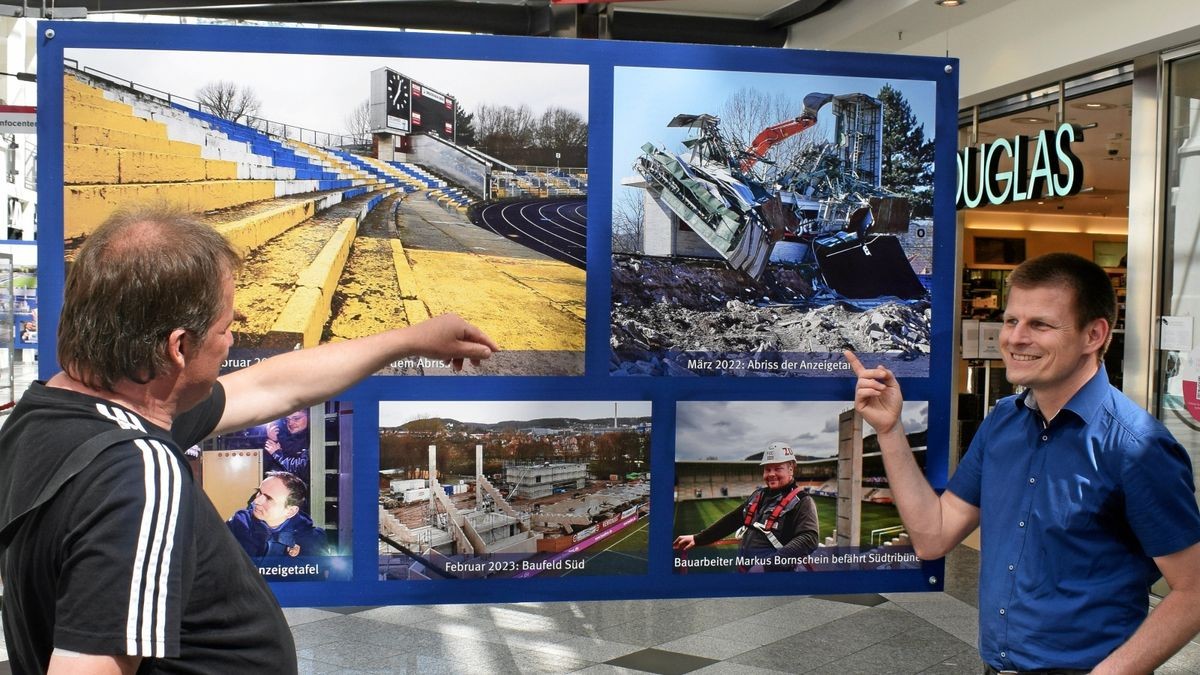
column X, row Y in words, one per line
column 1097, row 333
column 179, row 347
column 292, row 510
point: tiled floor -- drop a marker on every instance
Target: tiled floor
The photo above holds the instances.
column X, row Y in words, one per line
column 834, row 635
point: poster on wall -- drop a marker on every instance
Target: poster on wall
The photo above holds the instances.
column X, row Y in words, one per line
column 739, row 217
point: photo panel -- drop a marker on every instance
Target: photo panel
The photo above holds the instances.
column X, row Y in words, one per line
column 786, row 486
column 284, row 490
column 513, row 489
column 365, row 193
column 764, row 222
column 750, row 222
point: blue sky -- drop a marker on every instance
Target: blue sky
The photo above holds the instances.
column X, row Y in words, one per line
column 645, row 99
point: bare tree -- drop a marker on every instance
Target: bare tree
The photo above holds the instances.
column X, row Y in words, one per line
column 505, row 131
column 358, row 121
column 749, row 111
column 229, row 100
column 629, row 220
column 565, row 132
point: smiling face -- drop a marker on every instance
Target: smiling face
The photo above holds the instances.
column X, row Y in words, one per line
column 1043, row 346
column 779, row 474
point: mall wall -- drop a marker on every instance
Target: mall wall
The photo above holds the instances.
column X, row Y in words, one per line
column 1015, row 46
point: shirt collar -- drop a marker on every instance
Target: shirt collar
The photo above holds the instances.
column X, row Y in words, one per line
column 1085, row 403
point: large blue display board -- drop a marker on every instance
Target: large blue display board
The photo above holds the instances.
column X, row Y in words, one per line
column 672, row 245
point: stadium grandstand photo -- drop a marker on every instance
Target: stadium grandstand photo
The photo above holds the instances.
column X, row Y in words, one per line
column 721, row 450
column 365, row 193
column 513, row 489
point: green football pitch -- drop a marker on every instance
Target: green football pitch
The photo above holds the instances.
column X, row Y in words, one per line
column 694, row 515
column 623, row 553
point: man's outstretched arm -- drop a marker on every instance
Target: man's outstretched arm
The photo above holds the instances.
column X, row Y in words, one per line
column 935, row 524
column 288, row 382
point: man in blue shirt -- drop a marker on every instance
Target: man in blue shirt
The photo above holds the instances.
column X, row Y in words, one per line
column 1082, row 496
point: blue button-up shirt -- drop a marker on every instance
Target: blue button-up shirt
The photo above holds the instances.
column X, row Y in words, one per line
column 1071, row 514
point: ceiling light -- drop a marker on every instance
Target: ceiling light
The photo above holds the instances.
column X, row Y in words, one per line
column 1031, row 120
column 950, row 3
column 1092, row 105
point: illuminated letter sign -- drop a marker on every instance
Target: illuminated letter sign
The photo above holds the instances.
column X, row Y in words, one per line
column 1051, row 171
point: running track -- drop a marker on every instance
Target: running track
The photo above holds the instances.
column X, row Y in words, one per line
column 554, row 227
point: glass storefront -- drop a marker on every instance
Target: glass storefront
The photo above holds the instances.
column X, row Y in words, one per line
column 1179, row 358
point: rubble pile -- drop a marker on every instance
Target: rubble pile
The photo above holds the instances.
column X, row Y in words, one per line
column 655, row 317
column 702, row 284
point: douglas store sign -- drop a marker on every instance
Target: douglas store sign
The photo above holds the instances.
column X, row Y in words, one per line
column 1037, row 167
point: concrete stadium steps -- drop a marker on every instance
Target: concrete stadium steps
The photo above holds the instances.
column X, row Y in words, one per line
column 261, row 144
column 378, row 170
column 124, row 111
column 336, row 160
column 251, row 228
column 377, row 290
column 452, row 199
column 427, row 179
column 407, row 182
column 122, row 147
column 86, row 206
column 287, row 287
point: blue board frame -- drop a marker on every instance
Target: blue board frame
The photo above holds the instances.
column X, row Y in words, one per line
column 601, row 57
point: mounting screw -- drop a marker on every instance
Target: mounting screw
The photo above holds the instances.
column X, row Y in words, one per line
column 949, row 69
column 49, row 33
column 933, row 580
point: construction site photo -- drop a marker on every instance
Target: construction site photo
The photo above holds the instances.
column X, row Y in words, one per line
column 513, row 489
column 763, row 223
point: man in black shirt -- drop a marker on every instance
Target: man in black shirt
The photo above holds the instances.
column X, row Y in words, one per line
column 780, row 519
column 113, row 559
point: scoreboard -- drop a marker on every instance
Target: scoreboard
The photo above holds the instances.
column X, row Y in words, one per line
column 401, row 105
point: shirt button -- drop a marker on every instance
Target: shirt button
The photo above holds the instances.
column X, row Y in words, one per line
column 1012, row 567
column 1045, row 438
column 1003, row 655
column 1001, row 611
column 1032, row 480
column 1021, row 524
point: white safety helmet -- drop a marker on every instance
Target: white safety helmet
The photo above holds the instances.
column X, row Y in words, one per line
column 776, row 453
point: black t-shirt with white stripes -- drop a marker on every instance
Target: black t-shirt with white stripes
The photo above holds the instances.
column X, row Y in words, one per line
column 130, row 557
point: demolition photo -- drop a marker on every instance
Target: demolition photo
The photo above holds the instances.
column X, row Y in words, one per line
column 786, row 486
column 513, row 489
column 366, row 193
column 762, row 223
column 283, row 488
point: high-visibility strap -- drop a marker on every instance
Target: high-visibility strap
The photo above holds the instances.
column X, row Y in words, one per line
column 773, row 517
column 753, row 508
